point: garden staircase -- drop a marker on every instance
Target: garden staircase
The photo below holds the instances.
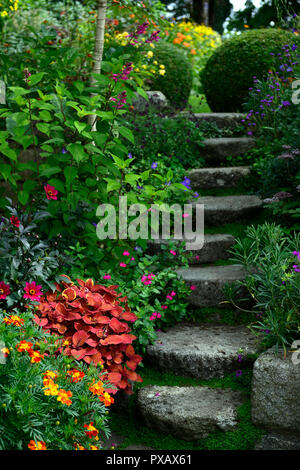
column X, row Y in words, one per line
column 205, row 351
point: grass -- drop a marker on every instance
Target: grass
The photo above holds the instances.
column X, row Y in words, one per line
column 130, row 426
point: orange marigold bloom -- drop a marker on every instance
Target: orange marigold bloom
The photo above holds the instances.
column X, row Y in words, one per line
column 106, row 399
column 97, row 388
column 91, row 431
column 64, row 396
column 193, row 51
column 50, row 374
column 93, row 447
column 186, row 44
column 51, row 389
column 24, row 346
column 79, row 447
column 5, row 351
column 39, row 445
column 177, row 40
column 35, row 356
column 14, row 320
column 76, row 375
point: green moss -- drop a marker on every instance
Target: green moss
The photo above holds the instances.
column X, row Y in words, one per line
column 243, row 438
column 229, row 72
column 177, row 82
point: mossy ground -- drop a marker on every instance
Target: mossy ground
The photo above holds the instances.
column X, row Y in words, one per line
column 243, row 438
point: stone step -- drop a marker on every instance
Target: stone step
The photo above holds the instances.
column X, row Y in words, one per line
column 230, row 120
column 220, row 210
column 218, row 149
column 215, row 247
column 189, row 413
column 209, row 282
column 224, row 177
column 202, row 351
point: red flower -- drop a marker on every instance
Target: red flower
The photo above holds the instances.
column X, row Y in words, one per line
column 51, row 192
column 4, row 290
column 15, row 221
column 33, row 292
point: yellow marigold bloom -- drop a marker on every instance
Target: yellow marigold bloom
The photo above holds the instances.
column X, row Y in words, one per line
column 97, row 388
column 39, row 445
column 149, row 54
column 153, row 71
column 137, row 70
column 152, row 45
column 4, row 13
column 155, row 62
column 91, row 431
column 94, row 447
column 5, row 351
column 50, row 374
column 14, row 320
column 162, row 72
column 162, row 66
column 76, row 375
column 106, row 399
column 24, row 346
column 64, row 397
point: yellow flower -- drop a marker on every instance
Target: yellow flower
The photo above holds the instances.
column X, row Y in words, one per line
column 152, row 45
column 162, row 72
column 150, row 54
column 4, row 13
column 161, row 66
column 155, row 62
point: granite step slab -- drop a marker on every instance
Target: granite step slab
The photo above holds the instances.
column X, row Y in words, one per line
column 208, row 283
column 219, row 210
column 218, row 149
column 218, row 178
column 215, row 247
column 203, row 351
column 189, row 413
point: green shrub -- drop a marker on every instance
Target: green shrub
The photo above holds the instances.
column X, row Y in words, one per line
column 229, row 72
column 176, row 84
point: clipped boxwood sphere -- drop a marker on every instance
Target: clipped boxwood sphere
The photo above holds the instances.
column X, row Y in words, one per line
column 176, row 84
column 229, row 72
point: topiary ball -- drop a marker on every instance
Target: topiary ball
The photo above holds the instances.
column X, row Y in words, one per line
column 228, row 74
column 176, row 84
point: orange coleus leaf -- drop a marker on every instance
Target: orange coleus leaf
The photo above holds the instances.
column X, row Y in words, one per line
column 114, row 377
column 79, row 338
column 118, row 339
column 40, row 321
column 117, row 326
column 69, row 294
column 129, row 316
column 89, row 283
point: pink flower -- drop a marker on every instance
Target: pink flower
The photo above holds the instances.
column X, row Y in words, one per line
column 173, row 252
column 132, row 259
column 193, row 287
column 169, row 297
column 33, row 292
column 14, row 221
column 123, row 265
column 106, row 276
column 164, row 307
column 173, row 293
column 51, row 192
column 126, row 253
column 4, row 290
column 159, row 315
column 185, row 215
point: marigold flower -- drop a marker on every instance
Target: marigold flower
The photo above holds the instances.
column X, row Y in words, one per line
column 35, row 356
column 5, row 351
column 106, row 399
column 51, row 192
column 4, row 290
column 33, row 291
column 24, row 346
column 50, row 389
column 39, row 445
column 91, row 431
column 64, row 396
column 14, row 320
column 76, row 375
column 97, row 388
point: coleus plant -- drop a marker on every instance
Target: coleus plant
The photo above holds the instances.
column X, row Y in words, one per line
column 93, row 321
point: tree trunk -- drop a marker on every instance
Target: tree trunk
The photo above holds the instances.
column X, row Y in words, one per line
column 198, row 9
column 98, row 49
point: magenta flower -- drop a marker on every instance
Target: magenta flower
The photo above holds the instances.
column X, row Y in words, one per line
column 51, row 192
column 173, row 252
column 4, row 290
column 106, row 276
column 33, row 291
column 126, row 253
column 193, row 287
column 123, row 265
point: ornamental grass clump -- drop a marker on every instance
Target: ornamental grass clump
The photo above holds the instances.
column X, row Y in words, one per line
column 47, row 402
column 93, row 320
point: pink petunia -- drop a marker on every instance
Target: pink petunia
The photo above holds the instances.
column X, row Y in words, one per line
column 51, row 192
column 126, row 253
column 193, row 287
column 173, row 252
column 33, row 291
column 164, row 307
column 123, row 265
column 106, row 276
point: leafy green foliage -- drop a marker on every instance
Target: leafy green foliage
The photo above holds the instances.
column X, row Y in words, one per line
column 234, row 64
column 176, row 84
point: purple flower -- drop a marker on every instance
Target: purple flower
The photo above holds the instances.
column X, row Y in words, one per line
column 130, row 155
column 239, row 373
column 286, row 103
column 63, row 150
column 154, row 165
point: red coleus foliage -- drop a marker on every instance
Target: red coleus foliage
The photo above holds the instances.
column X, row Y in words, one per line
column 93, row 322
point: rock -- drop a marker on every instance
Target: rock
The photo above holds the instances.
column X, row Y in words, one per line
column 209, row 283
column 189, row 413
column 202, row 351
column 218, row 149
column 215, row 247
column 224, row 177
column 230, row 120
column 276, row 392
column 157, row 100
column 220, row 210
column 275, row 441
